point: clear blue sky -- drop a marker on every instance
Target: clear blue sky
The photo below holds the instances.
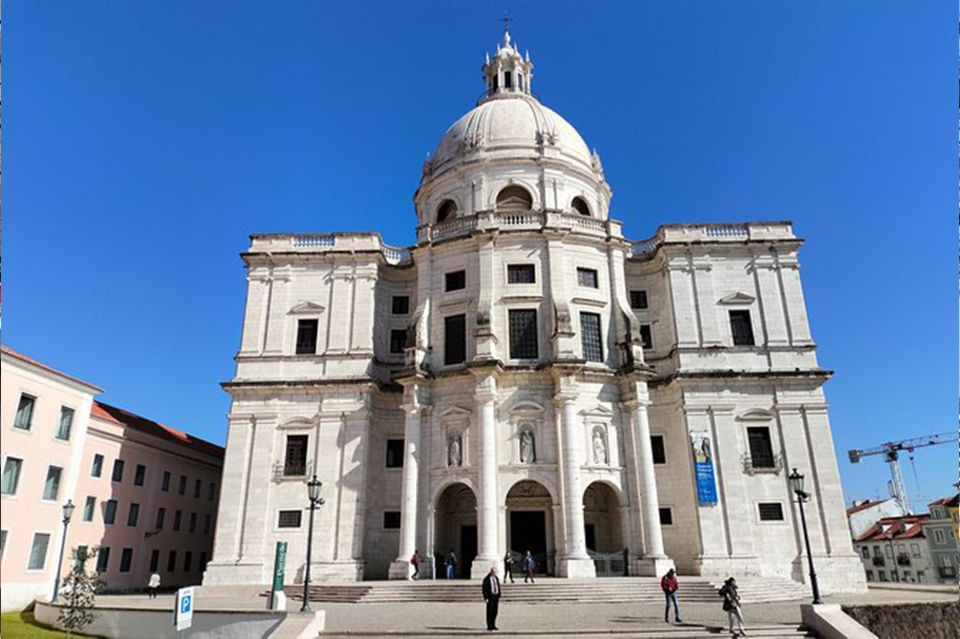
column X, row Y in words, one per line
column 144, row 141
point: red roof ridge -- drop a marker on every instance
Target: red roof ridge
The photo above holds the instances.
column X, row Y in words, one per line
column 124, row 417
column 50, row 369
column 868, row 504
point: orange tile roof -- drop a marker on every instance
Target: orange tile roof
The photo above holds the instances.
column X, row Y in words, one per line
column 947, row 501
column 29, row 360
column 907, row 527
column 150, row 427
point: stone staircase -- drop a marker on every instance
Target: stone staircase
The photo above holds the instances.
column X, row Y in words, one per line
column 552, row 591
column 685, row 631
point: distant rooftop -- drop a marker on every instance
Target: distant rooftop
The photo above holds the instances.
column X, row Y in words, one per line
column 907, row 527
column 150, row 427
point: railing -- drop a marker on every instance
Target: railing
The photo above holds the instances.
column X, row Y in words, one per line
column 544, row 561
column 284, row 471
column 397, row 256
column 645, row 248
column 903, row 560
column 323, row 240
column 762, row 463
column 878, row 561
column 947, row 571
column 520, row 218
column 589, row 223
column 610, row 564
column 726, row 230
column 452, row 228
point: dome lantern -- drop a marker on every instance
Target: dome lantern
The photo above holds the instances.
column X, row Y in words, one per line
column 507, row 72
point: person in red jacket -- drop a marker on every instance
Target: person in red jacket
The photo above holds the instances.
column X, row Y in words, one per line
column 668, row 584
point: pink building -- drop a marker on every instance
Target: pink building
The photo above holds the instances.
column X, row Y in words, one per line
column 145, row 494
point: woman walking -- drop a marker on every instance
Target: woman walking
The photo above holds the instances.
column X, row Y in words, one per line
column 669, row 587
column 508, row 567
column 528, row 566
column 731, row 603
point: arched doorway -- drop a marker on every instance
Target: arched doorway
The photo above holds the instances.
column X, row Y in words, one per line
column 530, row 524
column 456, row 529
column 603, row 529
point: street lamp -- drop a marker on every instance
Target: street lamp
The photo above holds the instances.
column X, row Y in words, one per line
column 796, row 485
column 67, row 514
column 313, row 492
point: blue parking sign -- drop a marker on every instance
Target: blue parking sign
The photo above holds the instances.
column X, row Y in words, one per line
column 184, row 611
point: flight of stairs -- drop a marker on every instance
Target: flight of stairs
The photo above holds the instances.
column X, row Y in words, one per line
column 685, row 631
column 552, row 591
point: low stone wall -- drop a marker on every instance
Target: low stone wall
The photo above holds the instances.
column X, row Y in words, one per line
column 938, row 620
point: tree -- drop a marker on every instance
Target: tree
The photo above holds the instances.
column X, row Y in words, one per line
column 79, row 589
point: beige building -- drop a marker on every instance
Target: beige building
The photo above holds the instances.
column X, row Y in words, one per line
column 145, row 494
column 527, row 378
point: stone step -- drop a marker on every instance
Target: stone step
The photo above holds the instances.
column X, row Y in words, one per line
column 684, row 631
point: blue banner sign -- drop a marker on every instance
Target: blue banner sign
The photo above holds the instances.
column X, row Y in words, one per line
column 703, row 469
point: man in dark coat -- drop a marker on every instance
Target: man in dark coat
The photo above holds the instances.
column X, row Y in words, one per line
column 491, row 595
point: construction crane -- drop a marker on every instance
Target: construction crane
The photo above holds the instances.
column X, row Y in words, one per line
column 891, row 453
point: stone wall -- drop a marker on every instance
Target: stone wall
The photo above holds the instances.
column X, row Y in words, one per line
column 928, row 620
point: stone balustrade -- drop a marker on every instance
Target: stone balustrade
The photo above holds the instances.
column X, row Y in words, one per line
column 329, row 243
column 712, row 233
column 518, row 221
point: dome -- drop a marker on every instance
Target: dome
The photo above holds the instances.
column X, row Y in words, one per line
column 515, row 124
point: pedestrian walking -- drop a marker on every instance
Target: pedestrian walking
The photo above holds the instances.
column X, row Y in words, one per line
column 152, row 585
column 508, row 567
column 491, row 595
column 731, row 603
column 451, row 564
column 528, row 565
column 415, row 562
column 668, row 584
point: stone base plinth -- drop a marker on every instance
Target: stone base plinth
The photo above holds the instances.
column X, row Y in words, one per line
column 650, row 566
column 576, row 568
column 228, row 573
column 481, row 567
column 400, row 569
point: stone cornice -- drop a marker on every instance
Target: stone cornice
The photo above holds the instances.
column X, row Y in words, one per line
column 818, row 375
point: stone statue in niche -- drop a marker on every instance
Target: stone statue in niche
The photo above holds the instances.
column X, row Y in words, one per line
column 599, row 448
column 455, row 452
column 527, row 450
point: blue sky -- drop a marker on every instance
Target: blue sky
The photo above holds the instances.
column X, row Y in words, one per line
column 144, row 141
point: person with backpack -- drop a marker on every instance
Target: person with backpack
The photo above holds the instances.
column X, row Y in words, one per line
column 528, row 565
column 415, row 562
column 731, row 604
column 451, row 564
column 668, row 584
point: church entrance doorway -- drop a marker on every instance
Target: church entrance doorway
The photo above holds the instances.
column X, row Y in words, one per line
column 530, row 525
column 455, row 518
column 603, row 528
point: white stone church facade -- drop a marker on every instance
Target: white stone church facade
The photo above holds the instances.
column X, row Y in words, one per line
column 526, row 378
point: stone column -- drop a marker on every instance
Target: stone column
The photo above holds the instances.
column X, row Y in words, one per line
column 574, row 560
column 488, row 552
column 400, row 568
column 654, row 560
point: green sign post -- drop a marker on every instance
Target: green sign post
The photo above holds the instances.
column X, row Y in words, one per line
column 279, row 567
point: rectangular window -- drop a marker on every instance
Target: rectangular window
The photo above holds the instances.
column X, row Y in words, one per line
column 646, row 337
column 197, row 488
column 771, row 511
column 521, row 274
column 865, row 552
column 307, row 336
column 507, row 80
column 761, row 448
column 133, row 515
column 182, row 488
column 659, row 452
column 289, row 519
column 97, row 469
column 177, row 518
column 394, row 453
column 638, row 299
column 212, row 491
column 172, row 561
column 400, row 305
column 523, row 334
column 455, row 281
column 110, row 512
column 295, row 458
column 11, row 475
column 126, row 558
column 398, row 340
column 193, row 523
column 666, row 517
column 103, row 559
column 24, row 417
column 117, row 470
column 81, row 558
column 38, row 551
column 869, row 575
column 391, row 519
column 161, row 515
column 741, row 328
column 51, row 487
column 65, row 424
column 154, row 560
column 139, row 475
column 454, row 339
column 89, row 507
column 206, row 524
column 588, row 277
column 187, row 561
column 590, row 338
column 165, row 484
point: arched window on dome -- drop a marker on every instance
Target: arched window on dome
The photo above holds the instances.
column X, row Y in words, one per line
column 507, row 80
column 514, row 198
column 580, row 206
column 446, row 211
column 520, row 81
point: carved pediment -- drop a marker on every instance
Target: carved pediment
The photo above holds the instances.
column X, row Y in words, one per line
column 454, row 413
column 756, row 415
column 526, row 407
column 597, row 411
column 738, row 298
column 306, row 308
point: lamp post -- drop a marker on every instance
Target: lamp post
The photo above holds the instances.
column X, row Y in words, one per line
column 67, row 514
column 796, row 484
column 313, row 492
